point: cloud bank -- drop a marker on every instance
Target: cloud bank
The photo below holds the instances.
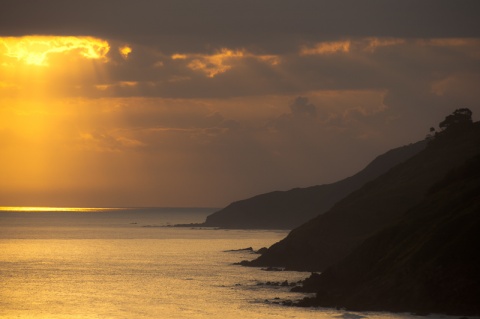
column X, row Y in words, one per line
column 184, row 103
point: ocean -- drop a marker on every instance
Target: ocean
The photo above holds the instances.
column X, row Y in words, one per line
column 128, row 263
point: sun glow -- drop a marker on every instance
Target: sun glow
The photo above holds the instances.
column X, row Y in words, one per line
column 32, row 209
column 35, row 50
column 42, row 80
column 125, row 51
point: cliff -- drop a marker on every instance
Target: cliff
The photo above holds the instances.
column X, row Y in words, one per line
column 426, row 262
column 289, row 209
column 330, row 237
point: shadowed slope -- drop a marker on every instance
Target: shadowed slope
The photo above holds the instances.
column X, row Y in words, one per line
column 289, row 209
column 427, row 262
column 330, row 237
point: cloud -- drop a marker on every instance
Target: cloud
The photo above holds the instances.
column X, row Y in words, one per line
column 267, row 94
column 107, row 141
column 270, row 24
column 373, row 44
column 125, row 51
column 327, row 48
column 368, row 44
column 349, row 64
column 214, row 64
column 221, row 61
column 370, row 63
column 301, row 105
column 36, row 49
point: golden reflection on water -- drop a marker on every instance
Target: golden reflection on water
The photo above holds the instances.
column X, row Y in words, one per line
column 31, row 209
column 101, row 269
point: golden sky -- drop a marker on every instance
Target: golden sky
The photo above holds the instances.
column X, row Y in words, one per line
column 204, row 116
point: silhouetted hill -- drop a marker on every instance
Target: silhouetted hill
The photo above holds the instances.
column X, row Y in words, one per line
column 426, row 262
column 289, row 209
column 330, row 237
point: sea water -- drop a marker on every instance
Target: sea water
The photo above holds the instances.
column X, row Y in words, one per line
column 127, row 263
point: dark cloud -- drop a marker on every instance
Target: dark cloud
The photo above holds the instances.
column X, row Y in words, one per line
column 390, row 66
column 301, row 106
column 278, row 25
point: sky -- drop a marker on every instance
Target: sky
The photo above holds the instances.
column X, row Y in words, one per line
column 201, row 103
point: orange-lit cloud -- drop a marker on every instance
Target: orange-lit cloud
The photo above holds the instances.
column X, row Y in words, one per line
column 125, row 51
column 179, row 56
column 35, row 50
column 214, row 64
column 128, row 83
column 449, row 42
column 470, row 46
column 221, row 61
column 349, row 45
column 327, row 48
column 373, row 43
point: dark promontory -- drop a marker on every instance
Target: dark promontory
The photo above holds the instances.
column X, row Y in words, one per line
column 330, row 237
column 426, row 262
column 289, row 209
